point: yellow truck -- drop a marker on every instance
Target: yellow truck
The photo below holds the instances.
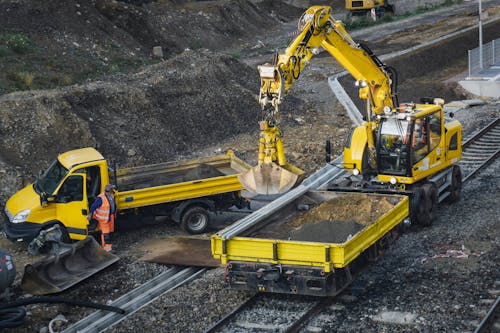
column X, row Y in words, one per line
column 186, row 191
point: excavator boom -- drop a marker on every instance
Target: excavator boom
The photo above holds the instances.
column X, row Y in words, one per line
column 317, row 29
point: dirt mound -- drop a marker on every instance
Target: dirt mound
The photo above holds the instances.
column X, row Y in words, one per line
column 360, row 208
column 177, row 106
column 46, row 45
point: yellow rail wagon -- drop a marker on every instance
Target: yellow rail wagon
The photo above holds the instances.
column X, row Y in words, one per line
column 313, row 245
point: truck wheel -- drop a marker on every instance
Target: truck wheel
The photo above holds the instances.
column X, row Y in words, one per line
column 195, row 220
column 427, row 213
column 456, row 184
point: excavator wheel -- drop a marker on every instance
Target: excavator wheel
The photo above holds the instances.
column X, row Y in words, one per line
column 456, row 184
column 416, row 207
column 428, row 205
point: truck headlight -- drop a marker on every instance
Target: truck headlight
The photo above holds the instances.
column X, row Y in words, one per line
column 21, row 216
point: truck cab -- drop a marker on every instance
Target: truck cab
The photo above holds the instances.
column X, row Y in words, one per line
column 61, row 195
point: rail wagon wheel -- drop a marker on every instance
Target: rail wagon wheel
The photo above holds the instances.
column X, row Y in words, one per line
column 456, row 184
column 195, row 220
column 427, row 213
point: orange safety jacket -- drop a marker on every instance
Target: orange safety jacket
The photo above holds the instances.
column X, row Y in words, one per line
column 102, row 215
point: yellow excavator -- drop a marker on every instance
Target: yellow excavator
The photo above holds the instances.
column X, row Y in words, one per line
column 409, row 147
column 365, row 7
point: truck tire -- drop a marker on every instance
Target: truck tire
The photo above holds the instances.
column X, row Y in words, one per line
column 195, row 220
column 456, row 184
column 427, row 213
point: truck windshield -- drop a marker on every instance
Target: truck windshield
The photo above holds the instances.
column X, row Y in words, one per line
column 51, row 178
column 393, row 148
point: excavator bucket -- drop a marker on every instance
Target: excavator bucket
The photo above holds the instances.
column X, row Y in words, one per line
column 56, row 273
column 270, row 178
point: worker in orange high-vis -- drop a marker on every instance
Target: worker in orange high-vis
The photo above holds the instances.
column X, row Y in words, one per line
column 103, row 210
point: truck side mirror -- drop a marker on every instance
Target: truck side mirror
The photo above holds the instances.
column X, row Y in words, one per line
column 45, row 200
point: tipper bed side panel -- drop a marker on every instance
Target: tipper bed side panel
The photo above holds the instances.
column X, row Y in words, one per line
column 280, row 250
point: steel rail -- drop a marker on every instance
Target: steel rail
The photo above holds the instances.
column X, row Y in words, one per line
column 492, row 317
column 219, row 324
column 315, row 181
column 298, row 321
column 480, row 149
column 136, row 299
column 306, row 307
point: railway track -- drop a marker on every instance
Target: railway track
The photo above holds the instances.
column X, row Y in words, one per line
column 136, row 299
column 286, row 313
column 491, row 322
column 271, row 313
column 480, row 149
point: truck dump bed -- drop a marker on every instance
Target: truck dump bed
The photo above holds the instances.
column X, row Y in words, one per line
column 319, row 229
column 173, row 181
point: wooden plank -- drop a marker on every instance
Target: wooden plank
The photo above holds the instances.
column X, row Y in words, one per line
column 179, row 250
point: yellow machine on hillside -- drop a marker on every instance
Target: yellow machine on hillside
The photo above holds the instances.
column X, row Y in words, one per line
column 365, row 7
column 408, row 148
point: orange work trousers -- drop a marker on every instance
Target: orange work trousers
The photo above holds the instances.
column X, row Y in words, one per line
column 106, row 229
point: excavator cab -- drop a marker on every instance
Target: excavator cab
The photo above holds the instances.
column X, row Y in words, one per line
column 393, row 150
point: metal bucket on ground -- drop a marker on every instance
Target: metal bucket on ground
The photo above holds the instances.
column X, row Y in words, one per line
column 56, row 273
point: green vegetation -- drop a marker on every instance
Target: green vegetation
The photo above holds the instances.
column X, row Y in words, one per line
column 25, row 65
column 234, row 54
column 16, row 42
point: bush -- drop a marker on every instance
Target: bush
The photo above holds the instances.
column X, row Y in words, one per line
column 17, row 42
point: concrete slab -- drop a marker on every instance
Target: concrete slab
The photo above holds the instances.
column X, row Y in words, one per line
column 486, row 83
column 395, row 317
column 482, row 88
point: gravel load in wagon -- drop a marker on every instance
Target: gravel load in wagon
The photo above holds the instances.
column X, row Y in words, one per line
column 330, row 217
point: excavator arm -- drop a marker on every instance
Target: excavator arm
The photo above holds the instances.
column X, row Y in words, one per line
column 318, row 29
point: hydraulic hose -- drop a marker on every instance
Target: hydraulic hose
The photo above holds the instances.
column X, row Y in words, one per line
column 12, row 317
column 12, row 314
column 394, row 84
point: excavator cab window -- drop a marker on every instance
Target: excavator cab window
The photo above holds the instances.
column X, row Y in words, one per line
column 434, row 130
column 393, row 146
